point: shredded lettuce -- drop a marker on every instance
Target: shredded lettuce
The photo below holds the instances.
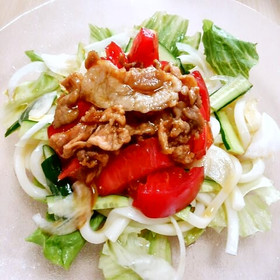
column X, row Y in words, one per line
column 62, row 249
column 99, row 33
column 136, row 254
column 254, row 217
column 192, row 235
column 225, row 53
column 171, row 29
column 59, row 249
column 33, row 56
column 29, row 91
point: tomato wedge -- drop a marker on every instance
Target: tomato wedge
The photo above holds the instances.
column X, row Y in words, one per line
column 200, row 144
column 70, row 169
column 168, row 191
column 83, row 107
column 132, row 163
column 144, row 48
column 115, row 54
column 203, row 94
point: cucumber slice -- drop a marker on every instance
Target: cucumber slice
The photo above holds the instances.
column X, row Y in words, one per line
column 110, row 201
column 165, row 55
column 229, row 136
column 48, row 151
column 41, row 135
column 229, row 92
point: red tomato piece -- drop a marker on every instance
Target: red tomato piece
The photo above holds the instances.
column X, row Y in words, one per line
column 163, row 64
column 115, row 54
column 203, row 94
column 70, row 169
column 132, row 163
column 52, row 130
column 144, row 48
column 199, row 145
column 83, row 107
column 168, row 191
column 209, row 136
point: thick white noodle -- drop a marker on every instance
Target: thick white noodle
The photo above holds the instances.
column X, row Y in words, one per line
column 232, row 229
column 224, row 169
column 204, row 198
column 199, row 208
column 255, row 172
column 168, row 229
column 19, row 161
column 182, row 258
column 115, row 224
column 237, row 199
column 35, row 165
column 240, row 122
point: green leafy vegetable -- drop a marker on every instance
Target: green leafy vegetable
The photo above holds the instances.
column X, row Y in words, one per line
column 62, row 249
column 33, row 56
column 99, row 33
column 170, row 28
column 159, row 245
column 193, row 40
column 59, row 249
column 136, row 250
column 255, row 216
column 25, row 94
column 225, row 53
column 192, row 235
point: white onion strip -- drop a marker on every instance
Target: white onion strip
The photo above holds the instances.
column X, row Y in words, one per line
column 19, row 161
column 32, row 67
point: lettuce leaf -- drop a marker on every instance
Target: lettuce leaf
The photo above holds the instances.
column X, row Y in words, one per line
column 192, row 235
column 33, row 56
column 62, row 249
column 29, row 91
column 226, row 54
column 170, row 29
column 136, row 253
column 256, row 216
column 59, row 249
column 99, row 33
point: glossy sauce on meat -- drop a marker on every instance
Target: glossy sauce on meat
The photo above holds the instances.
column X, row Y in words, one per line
column 127, row 105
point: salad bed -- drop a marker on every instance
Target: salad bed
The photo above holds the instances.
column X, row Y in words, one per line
column 222, row 200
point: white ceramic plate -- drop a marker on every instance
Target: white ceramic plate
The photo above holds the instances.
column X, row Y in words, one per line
column 58, row 27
